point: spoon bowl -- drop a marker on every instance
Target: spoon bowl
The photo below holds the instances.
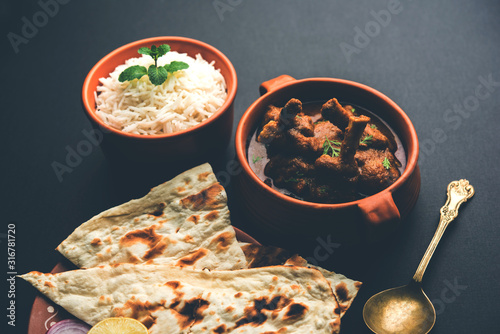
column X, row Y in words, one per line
column 405, row 309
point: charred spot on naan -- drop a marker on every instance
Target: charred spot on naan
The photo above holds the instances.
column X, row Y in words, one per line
column 188, row 239
column 208, row 199
column 280, row 331
column 49, row 284
column 296, row 311
column 221, row 329
column 190, row 312
column 147, row 236
column 134, row 259
column 222, row 241
column 176, row 287
column 203, row 176
column 105, row 300
column 263, row 307
column 191, row 259
column 212, row 215
column 173, row 284
column 342, row 292
column 96, row 242
column 158, row 212
column 195, row 219
column 138, row 310
column 156, row 250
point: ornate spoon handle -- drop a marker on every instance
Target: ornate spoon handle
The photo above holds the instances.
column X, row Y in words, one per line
column 458, row 193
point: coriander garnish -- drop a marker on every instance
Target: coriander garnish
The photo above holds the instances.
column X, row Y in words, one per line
column 292, row 179
column 373, row 126
column 256, row 159
column 327, row 146
column 353, row 110
column 157, row 75
column 386, row 163
column 367, row 140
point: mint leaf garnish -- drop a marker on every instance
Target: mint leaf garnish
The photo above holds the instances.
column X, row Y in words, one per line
column 163, row 49
column 133, row 72
column 144, row 51
column 157, row 74
column 176, row 66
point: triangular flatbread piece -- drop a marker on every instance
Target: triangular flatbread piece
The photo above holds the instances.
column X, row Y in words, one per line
column 344, row 289
column 183, row 222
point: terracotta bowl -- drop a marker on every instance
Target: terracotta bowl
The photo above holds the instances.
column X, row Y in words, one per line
column 370, row 218
column 200, row 141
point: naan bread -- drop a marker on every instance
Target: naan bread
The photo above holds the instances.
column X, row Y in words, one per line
column 344, row 289
column 172, row 300
column 183, row 222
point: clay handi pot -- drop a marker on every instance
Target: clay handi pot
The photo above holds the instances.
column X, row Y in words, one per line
column 370, row 218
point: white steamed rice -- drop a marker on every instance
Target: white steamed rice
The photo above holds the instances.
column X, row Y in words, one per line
column 185, row 99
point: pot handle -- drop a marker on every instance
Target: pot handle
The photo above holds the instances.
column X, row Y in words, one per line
column 270, row 85
column 380, row 214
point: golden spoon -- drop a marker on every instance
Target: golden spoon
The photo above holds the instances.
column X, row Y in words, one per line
column 407, row 309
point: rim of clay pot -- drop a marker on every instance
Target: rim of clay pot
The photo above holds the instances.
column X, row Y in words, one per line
column 88, row 89
column 240, row 142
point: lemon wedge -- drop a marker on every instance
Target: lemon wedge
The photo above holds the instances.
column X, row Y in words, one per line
column 118, row 326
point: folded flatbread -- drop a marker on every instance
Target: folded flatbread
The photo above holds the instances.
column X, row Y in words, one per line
column 183, row 222
column 172, row 300
column 344, row 289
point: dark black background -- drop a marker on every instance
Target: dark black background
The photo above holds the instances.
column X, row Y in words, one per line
column 428, row 59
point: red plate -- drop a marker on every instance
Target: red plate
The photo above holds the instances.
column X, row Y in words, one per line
column 45, row 313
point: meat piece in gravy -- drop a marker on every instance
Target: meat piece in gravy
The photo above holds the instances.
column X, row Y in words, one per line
column 373, row 175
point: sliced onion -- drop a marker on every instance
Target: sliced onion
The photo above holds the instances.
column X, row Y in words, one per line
column 69, row 326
